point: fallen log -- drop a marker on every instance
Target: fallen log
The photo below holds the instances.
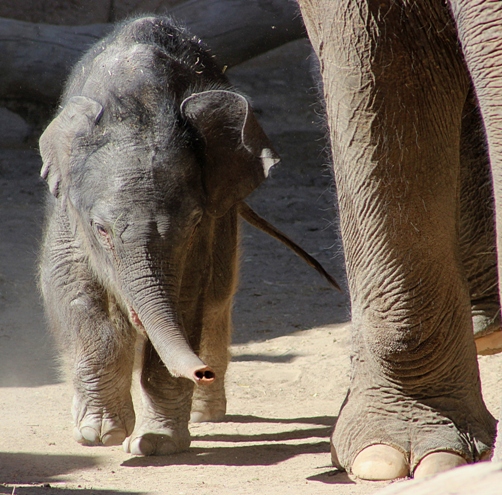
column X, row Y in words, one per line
column 238, row 30
column 36, row 58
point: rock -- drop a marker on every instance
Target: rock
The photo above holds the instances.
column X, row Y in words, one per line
column 482, row 478
column 14, row 130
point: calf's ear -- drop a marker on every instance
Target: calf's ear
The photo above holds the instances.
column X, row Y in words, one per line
column 75, row 120
column 238, row 154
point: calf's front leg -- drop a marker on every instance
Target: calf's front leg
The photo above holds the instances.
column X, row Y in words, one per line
column 96, row 339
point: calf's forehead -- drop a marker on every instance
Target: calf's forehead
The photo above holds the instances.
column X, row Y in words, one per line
column 117, row 176
column 120, row 69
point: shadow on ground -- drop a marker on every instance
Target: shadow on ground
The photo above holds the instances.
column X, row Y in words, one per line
column 26, row 468
column 332, row 477
column 266, row 449
column 248, row 455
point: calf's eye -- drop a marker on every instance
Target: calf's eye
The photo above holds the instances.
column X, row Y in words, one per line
column 101, row 230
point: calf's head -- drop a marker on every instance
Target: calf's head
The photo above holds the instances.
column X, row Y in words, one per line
column 135, row 183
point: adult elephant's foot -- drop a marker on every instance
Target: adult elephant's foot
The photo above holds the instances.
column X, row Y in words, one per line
column 97, row 424
column 154, row 438
column 380, row 462
column 383, row 433
column 438, row 462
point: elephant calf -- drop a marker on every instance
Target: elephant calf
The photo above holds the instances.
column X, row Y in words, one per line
column 147, row 161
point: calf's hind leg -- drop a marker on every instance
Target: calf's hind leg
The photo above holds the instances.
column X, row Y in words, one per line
column 211, row 317
column 210, row 403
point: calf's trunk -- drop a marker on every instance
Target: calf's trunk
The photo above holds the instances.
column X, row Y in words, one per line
column 157, row 315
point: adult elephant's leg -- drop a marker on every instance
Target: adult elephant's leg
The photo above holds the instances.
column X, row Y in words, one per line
column 395, row 88
column 477, row 231
column 478, row 25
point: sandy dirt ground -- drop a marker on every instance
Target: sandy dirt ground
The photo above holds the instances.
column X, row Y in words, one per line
column 291, row 347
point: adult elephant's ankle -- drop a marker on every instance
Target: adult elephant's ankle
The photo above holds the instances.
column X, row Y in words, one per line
column 414, row 347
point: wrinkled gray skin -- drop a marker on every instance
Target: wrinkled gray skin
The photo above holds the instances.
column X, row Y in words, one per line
column 147, row 160
column 416, row 219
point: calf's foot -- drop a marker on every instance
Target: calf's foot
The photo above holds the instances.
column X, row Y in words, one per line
column 166, row 400
column 99, row 424
column 158, row 437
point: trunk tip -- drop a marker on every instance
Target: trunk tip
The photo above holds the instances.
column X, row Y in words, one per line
column 204, row 376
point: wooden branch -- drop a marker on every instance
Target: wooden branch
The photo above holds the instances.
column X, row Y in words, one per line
column 36, row 59
column 238, row 30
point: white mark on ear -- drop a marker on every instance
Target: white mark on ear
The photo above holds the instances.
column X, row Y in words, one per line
column 80, row 301
column 269, row 159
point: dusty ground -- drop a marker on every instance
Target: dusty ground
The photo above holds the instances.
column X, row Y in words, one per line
column 290, row 365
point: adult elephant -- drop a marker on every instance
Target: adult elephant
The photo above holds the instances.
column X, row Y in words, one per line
column 415, row 211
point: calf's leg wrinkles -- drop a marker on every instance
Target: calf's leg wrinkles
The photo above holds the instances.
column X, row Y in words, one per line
column 163, row 427
column 97, row 338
